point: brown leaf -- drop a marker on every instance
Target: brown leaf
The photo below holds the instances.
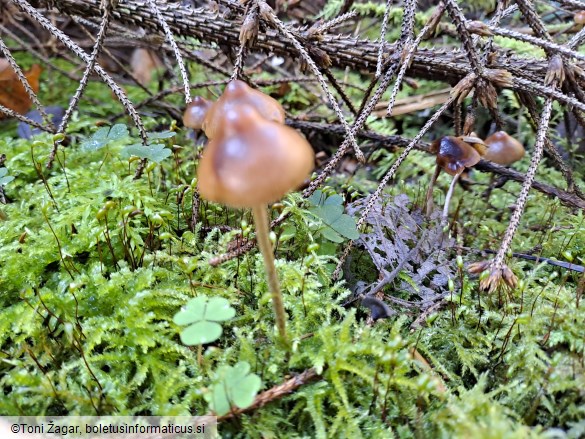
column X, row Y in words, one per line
column 144, row 63
column 12, row 92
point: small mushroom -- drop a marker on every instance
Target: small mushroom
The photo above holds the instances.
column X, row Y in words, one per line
column 503, row 149
column 579, row 17
column 195, row 112
column 236, row 94
column 453, row 156
column 250, row 163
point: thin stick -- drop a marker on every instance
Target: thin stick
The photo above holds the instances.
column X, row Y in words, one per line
column 172, row 42
column 429, row 197
column 383, row 37
column 498, row 262
column 83, row 83
column 262, row 231
column 25, row 83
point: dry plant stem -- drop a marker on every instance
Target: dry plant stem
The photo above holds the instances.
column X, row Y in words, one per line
column 267, row 12
column 411, row 50
column 449, row 196
column 25, row 83
column 331, row 24
column 429, row 197
column 82, row 84
column 459, row 20
column 389, row 175
column 557, row 48
column 344, row 51
column 37, row 54
column 32, row 12
column 357, row 125
column 238, row 64
column 498, row 262
column 577, row 39
column 383, row 37
column 169, row 35
column 262, row 236
column 25, row 119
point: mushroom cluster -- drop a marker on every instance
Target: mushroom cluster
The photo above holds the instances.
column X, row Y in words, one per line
column 252, row 159
column 456, row 154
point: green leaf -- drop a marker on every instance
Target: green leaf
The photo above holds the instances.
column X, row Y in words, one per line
column 334, row 200
column 118, row 132
column 219, row 310
column 105, row 135
column 156, row 153
column 160, row 135
column 201, row 333
column 194, row 311
column 338, row 225
column 336, row 221
column 318, row 198
column 5, row 179
column 331, row 235
column 202, row 314
column 235, row 386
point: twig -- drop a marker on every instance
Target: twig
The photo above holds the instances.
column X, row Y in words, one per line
column 27, row 87
column 32, row 12
column 169, row 35
column 275, row 393
column 431, row 24
column 82, row 84
column 383, row 37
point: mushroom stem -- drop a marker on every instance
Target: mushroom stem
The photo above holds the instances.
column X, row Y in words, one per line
column 450, row 195
column 429, row 198
column 262, row 237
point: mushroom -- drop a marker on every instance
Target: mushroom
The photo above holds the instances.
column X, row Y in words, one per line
column 453, row 156
column 195, row 112
column 579, row 17
column 250, row 163
column 503, row 149
column 236, row 94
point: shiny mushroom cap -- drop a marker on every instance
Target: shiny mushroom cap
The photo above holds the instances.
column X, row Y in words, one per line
column 503, row 149
column 454, row 155
column 579, row 17
column 253, row 161
column 236, row 94
column 195, row 112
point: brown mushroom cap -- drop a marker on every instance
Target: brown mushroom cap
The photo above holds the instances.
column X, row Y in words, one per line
column 503, row 149
column 195, row 112
column 454, row 155
column 579, row 17
column 236, row 94
column 252, row 160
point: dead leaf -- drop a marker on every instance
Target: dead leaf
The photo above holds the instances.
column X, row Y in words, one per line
column 12, row 92
column 410, row 255
column 144, row 63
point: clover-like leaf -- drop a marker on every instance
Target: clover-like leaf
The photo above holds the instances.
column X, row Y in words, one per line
column 156, row 153
column 160, row 135
column 5, row 179
column 203, row 313
column 105, row 135
column 337, row 225
column 235, row 386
